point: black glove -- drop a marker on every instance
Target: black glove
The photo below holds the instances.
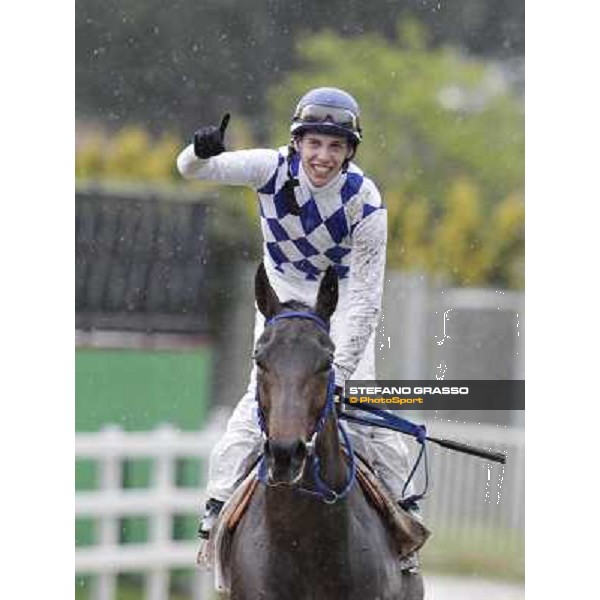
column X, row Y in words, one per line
column 208, row 141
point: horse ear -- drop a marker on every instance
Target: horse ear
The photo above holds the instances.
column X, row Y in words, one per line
column 266, row 298
column 327, row 297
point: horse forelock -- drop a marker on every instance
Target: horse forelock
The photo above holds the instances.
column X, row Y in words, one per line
column 289, row 332
column 295, row 305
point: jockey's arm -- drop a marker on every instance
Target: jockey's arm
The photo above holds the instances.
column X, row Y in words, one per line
column 365, row 288
column 243, row 167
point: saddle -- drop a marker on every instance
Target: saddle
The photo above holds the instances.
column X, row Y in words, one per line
column 408, row 532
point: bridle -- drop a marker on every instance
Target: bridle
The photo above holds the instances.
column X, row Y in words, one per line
column 322, row 490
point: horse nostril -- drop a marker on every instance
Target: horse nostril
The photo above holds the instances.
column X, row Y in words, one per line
column 285, row 460
column 300, row 451
column 286, row 453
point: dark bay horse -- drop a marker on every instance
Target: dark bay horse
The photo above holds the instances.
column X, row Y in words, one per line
column 309, row 533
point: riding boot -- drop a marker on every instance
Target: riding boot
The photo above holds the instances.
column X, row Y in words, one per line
column 412, row 508
column 211, row 514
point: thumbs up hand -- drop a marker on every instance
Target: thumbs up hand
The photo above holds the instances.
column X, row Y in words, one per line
column 208, row 141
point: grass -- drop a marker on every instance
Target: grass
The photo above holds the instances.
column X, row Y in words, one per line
column 482, row 553
column 490, row 554
column 130, row 587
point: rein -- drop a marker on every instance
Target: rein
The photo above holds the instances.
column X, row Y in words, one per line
column 377, row 418
column 384, row 419
column 322, row 490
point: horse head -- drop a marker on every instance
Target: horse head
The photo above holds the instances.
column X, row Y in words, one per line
column 294, row 359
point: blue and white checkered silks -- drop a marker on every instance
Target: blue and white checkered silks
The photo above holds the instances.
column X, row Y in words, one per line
column 320, row 236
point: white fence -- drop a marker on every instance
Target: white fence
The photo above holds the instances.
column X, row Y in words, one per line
column 164, row 500
column 466, row 491
column 473, row 498
column 427, row 331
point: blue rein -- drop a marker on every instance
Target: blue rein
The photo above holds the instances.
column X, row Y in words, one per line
column 384, row 419
column 322, row 490
column 377, row 418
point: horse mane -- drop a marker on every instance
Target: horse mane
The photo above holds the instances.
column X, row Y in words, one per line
column 296, row 305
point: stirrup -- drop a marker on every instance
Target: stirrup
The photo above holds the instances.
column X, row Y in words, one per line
column 411, row 563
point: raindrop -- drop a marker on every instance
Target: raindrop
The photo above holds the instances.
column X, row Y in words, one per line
column 500, row 480
column 487, row 485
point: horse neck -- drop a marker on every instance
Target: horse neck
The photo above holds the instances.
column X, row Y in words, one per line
column 332, row 464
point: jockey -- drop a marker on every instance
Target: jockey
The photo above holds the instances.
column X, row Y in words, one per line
column 317, row 209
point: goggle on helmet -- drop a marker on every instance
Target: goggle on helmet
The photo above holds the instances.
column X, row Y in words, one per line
column 330, row 111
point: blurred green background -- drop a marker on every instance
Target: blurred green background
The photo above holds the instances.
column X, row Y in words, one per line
column 139, row 389
column 441, row 88
column 441, row 92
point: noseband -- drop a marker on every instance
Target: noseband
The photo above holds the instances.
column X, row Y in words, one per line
column 322, row 491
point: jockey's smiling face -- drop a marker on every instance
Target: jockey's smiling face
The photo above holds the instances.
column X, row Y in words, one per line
column 323, row 156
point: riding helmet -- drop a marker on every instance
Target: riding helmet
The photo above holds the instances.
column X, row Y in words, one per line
column 328, row 110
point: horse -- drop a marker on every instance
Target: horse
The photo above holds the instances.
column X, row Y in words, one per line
column 310, row 533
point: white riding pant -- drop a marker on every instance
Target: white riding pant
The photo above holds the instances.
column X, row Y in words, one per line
column 240, row 446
